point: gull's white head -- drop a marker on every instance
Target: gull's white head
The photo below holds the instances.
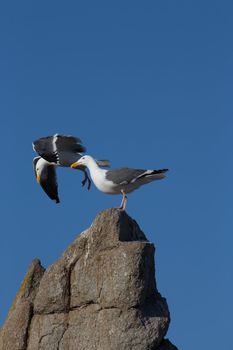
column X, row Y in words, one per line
column 40, row 168
column 83, row 161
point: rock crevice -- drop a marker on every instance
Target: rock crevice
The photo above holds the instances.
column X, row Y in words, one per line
column 100, row 295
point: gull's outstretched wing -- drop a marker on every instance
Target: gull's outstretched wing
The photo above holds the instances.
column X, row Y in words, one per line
column 59, row 149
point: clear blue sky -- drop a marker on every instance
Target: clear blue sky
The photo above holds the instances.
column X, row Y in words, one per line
column 144, row 84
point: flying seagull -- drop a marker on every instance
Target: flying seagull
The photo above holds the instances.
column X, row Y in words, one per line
column 57, row 150
column 45, row 173
column 118, row 181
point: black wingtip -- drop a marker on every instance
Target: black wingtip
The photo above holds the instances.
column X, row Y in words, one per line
column 160, row 171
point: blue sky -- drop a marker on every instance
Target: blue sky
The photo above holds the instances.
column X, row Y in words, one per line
column 144, row 84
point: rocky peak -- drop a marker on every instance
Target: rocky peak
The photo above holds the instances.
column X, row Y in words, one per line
column 100, row 295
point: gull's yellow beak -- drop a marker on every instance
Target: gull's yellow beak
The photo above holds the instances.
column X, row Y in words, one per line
column 75, row 165
column 38, row 179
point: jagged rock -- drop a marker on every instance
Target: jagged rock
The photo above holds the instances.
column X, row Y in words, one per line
column 100, row 295
column 53, row 294
column 46, row 331
column 14, row 333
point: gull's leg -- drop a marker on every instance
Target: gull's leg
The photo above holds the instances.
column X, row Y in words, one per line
column 124, row 201
column 86, row 178
column 121, row 206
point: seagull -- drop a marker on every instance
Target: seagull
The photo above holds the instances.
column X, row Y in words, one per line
column 58, row 150
column 118, row 181
column 46, row 177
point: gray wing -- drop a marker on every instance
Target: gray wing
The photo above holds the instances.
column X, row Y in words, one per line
column 123, row 176
column 103, row 163
column 49, row 183
column 59, row 149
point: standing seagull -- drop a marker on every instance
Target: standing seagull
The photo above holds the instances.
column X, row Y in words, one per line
column 118, row 181
column 57, row 150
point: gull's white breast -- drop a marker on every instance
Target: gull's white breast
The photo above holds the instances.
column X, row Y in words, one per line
column 104, row 185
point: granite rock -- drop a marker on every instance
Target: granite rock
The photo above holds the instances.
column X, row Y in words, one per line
column 100, row 295
column 14, row 333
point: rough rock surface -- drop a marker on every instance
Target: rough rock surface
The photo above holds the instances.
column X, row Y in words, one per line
column 14, row 333
column 100, row 295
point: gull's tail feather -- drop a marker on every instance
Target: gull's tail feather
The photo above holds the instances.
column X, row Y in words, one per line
column 159, row 174
column 153, row 174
